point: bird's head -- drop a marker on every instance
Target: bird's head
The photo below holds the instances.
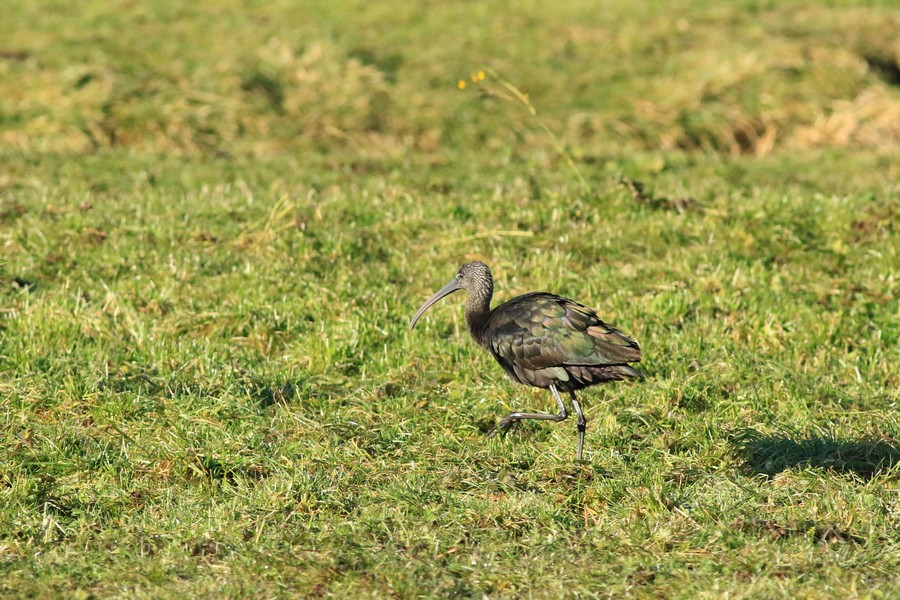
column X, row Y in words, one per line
column 474, row 277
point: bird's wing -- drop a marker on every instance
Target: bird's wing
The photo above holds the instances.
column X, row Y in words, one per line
column 538, row 331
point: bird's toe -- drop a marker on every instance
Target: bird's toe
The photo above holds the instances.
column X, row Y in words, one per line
column 506, row 424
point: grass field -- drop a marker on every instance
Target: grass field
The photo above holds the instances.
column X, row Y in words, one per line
column 217, row 218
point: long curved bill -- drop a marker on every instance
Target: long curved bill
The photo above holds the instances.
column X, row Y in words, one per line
column 444, row 291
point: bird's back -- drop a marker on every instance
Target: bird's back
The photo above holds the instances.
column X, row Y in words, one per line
column 542, row 339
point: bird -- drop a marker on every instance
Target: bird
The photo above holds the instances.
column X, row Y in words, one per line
column 542, row 340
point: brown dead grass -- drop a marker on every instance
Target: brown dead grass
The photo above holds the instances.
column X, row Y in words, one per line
column 725, row 81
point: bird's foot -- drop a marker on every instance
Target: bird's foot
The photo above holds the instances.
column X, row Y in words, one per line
column 507, row 424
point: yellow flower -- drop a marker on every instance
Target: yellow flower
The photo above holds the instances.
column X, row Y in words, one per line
column 480, row 75
column 461, row 84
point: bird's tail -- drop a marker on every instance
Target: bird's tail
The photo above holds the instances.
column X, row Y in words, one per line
column 628, row 371
column 593, row 374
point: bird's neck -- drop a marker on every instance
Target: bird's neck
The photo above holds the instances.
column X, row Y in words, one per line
column 478, row 309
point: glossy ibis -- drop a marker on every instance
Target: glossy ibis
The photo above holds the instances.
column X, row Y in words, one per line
column 542, row 340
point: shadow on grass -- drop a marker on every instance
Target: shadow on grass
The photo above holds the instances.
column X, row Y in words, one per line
column 771, row 454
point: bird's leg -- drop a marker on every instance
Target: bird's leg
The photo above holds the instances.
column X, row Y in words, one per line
column 512, row 419
column 582, row 425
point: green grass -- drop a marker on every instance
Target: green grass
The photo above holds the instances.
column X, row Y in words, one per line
column 217, row 220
